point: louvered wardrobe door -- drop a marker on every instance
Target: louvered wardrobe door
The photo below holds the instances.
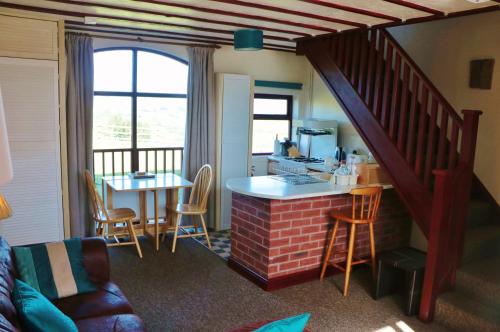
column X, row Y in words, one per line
column 30, row 93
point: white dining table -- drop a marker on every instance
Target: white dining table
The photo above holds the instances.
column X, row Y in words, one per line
column 169, row 182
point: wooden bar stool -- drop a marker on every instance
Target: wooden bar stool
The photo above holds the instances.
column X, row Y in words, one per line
column 197, row 206
column 103, row 216
column 363, row 212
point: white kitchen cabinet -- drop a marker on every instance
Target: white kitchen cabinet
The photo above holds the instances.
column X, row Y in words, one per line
column 22, row 37
column 30, row 93
column 234, row 112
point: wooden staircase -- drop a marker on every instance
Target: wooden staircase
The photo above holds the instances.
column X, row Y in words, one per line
column 421, row 142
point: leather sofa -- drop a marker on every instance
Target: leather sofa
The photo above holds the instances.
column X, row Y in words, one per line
column 104, row 310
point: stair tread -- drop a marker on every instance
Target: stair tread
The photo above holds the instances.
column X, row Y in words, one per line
column 480, row 213
column 485, row 232
column 487, row 270
column 481, row 280
column 481, row 242
column 458, row 310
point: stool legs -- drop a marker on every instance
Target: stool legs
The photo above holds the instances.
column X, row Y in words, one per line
column 329, row 250
column 350, row 253
column 348, row 265
column 372, row 252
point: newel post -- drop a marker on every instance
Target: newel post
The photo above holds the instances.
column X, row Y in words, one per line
column 467, row 154
column 437, row 262
column 469, row 136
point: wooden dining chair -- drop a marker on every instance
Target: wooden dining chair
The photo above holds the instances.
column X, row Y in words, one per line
column 197, row 206
column 365, row 204
column 103, row 216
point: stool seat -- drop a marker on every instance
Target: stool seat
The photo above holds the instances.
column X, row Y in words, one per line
column 344, row 216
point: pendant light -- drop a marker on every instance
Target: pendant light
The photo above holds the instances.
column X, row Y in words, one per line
column 248, row 40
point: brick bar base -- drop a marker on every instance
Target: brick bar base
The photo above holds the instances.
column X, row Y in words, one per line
column 276, row 240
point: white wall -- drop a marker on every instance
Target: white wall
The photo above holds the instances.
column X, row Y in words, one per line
column 443, row 50
column 325, row 106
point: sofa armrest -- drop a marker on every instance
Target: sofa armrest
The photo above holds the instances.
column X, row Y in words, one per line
column 96, row 259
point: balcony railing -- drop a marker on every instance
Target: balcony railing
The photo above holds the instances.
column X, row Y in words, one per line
column 111, row 162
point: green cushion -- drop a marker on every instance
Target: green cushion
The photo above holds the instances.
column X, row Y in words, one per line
column 54, row 269
column 290, row 324
column 37, row 313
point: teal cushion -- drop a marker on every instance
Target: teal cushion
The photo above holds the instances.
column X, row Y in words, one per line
column 54, row 269
column 290, row 324
column 37, row 313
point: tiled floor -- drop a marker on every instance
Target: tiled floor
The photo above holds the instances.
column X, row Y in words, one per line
column 220, row 241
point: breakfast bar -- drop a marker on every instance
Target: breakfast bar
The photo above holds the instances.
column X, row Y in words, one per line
column 280, row 224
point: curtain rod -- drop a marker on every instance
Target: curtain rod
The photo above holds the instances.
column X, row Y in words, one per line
column 142, row 40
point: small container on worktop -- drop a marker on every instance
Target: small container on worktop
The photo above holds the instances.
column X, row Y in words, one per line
column 344, row 180
column 370, row 174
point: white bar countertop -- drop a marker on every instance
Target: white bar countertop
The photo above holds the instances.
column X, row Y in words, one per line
column 267, row 187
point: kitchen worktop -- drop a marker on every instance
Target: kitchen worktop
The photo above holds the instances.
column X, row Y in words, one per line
column 271, row 188
column 317, row 167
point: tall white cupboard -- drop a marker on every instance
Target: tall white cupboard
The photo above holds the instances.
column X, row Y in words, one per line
column 234, row 105
column 29, row 81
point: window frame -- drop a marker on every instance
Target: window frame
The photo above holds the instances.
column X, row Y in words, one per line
column 288, row 116
column 134, row 94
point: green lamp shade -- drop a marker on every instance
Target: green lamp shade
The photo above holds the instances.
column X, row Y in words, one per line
column 248, row 40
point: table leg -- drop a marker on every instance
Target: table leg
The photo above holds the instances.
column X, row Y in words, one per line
column 109, row 206
column 143, row 206
column 109, row 196
column 157, row 222
column 172, row 200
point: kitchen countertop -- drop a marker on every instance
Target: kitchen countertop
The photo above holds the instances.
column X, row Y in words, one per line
column 267, row 187
column 318, row 167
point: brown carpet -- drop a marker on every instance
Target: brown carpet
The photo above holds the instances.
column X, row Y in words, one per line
column 194, row 290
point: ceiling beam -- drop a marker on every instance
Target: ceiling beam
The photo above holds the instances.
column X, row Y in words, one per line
column 353, row 10
column 118, row 32
column 194, row 18
column 79, row 14
column 140, row 35
column 413, row 5
column 242, row 15
column 165, row 32
column 143, row 32
column 289, row 11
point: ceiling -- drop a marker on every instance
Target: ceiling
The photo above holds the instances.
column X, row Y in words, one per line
column 214, row 21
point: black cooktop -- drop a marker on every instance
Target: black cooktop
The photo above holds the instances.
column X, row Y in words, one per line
column 305, row 160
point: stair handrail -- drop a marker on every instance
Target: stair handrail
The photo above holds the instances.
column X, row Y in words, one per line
column 432, row 88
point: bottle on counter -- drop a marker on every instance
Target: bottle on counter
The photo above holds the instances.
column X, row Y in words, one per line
column 277, row 146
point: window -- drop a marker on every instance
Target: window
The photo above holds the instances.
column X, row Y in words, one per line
column 272, row 115
column 140, row 100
